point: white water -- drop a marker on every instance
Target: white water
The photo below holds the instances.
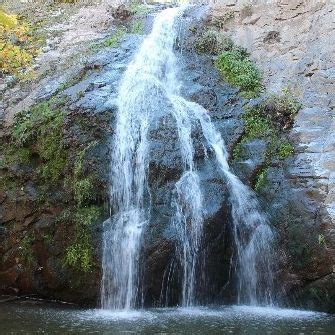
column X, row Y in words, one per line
column 146, row 79
column 149, row 79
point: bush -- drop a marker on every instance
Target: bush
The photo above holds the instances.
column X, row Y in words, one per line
column 240, row 71
column 282, row 108
column 212, row 42
column 17, row 49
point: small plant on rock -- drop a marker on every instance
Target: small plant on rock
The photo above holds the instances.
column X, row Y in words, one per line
column 240, row 71
column 213, row 42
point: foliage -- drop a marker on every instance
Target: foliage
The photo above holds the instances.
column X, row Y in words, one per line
column 40, row 130
column 267, row 121
column 137, row 7
column 25, row 248
column 282, row 108
column 84, row 190
column 16, row 155
column 114, row 39
column 79, row 254
column 212, row 42
column 137, row 27
column 240, row 71
column 220, row 22
column 285, row 150
column 17, row 45
column 261, row 180
column 322, row 240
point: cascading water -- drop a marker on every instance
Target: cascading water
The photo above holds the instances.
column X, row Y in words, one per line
column 150, row 79
column 146, row 80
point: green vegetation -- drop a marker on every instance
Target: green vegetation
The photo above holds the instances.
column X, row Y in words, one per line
column 39, row 131
column 322, row 240
column 83, row 214
column 286, row 149
column 18, row 46
column 212, row 42
column 137, row 27
column 267, row 121
column 240, row 71
column 25, row 248
column 114, row 39
column 233, row 62
column 138, row 8
column 220, row 22
column 261, row 180
column 79, row 254
column 111, row 41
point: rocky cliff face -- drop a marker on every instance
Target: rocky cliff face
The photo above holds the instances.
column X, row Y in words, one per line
column 292, row 42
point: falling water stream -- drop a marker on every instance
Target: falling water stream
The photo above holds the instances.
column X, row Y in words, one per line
column 150, row 78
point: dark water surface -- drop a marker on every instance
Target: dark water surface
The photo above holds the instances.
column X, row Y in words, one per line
column 35, row 318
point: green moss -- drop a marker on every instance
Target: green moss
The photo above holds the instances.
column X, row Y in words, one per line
column 85, row 216
column 285, row 150
column 138, row 8
column 84, row 190
column 267, row 121
column 84, row 187
column 15, row 155
column 256, row 125
column 137, row 27
column 322, row 240
column 114, row 39
column 40, row 131
column 261, row 180
column 79, row 254
column 240, row 71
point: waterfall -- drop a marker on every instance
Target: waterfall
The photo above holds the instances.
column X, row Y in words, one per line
column 146, row 79
column 150, row 79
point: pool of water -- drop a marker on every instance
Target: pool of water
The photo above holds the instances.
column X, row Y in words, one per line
column 39, row 318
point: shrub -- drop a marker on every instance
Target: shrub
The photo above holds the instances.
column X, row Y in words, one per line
column 17, row 48
column 220, row 22
column 212, row 42
column 240, row 71
column 285, row 150
column 282, row 108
